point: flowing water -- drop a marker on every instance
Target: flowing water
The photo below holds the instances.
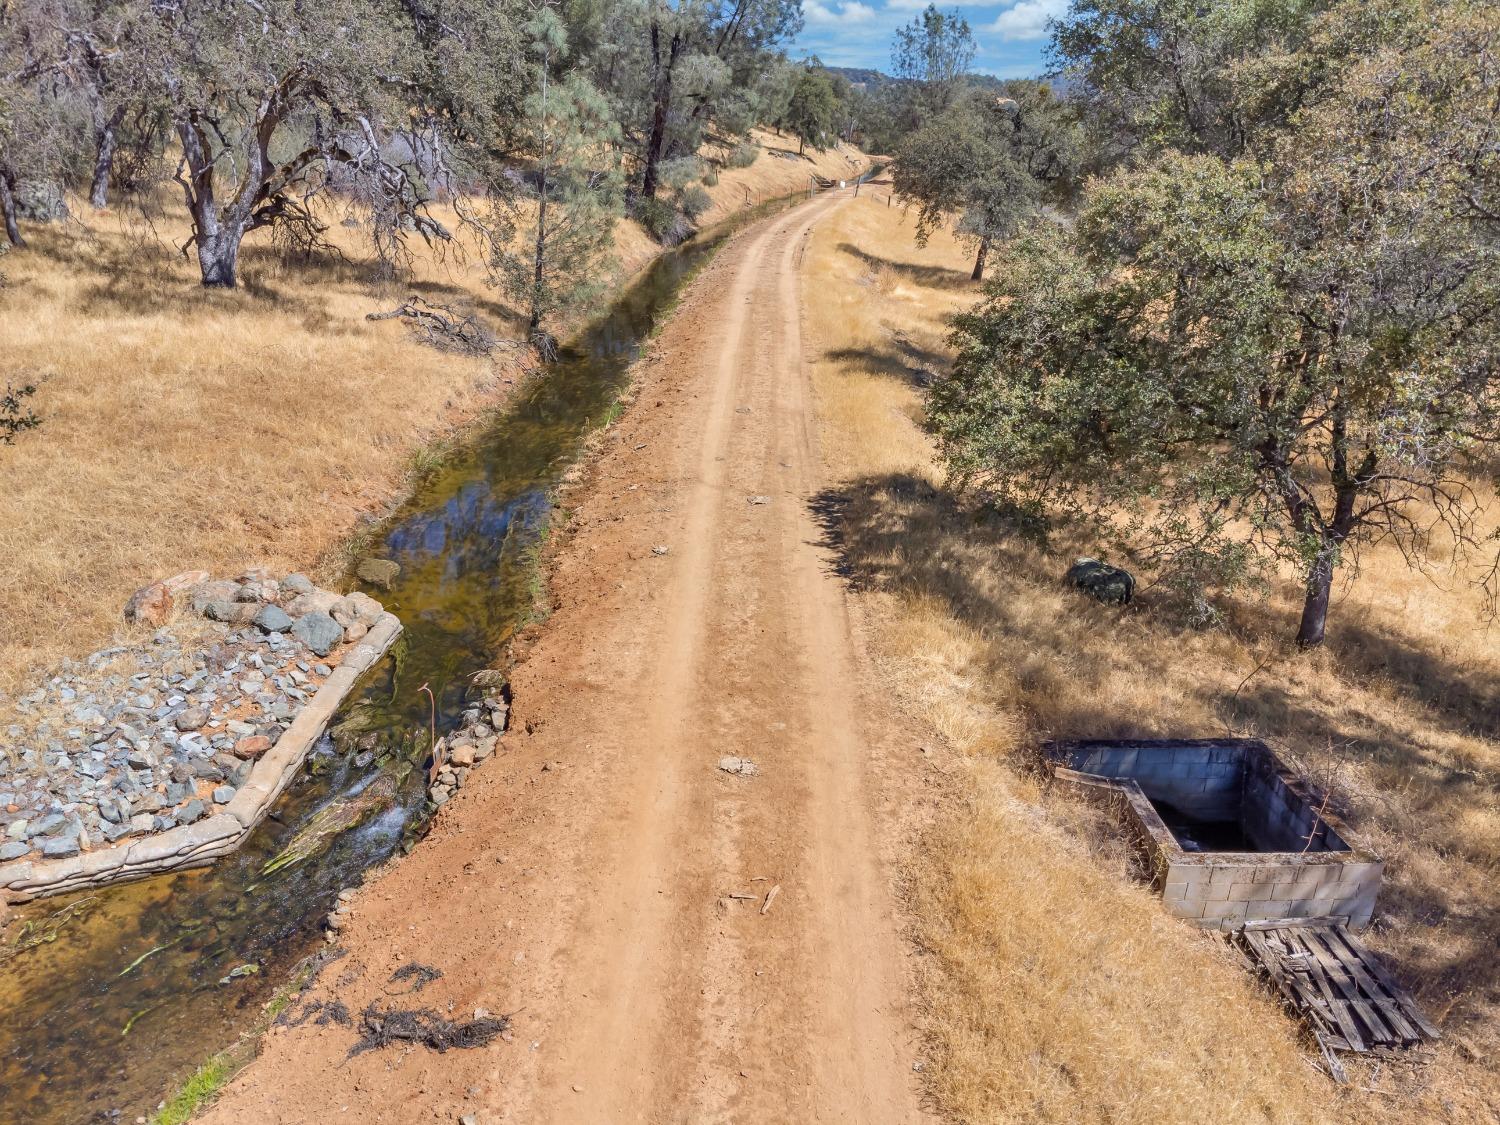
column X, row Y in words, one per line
column 134, row 990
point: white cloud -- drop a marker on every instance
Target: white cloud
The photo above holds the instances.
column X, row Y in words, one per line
column 1028, row 19
column 825, row 15
column 942, row 5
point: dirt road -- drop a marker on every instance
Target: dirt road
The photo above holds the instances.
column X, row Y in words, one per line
column 603, row 879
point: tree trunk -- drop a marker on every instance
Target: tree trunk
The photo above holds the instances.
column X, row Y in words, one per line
column 654, row 145
column 219, row 257
column 105, row 139
column 801, row 145
column 984, row 252
column 1315, row 607
column 539, row 268
column 661, row 106
column 8, row 208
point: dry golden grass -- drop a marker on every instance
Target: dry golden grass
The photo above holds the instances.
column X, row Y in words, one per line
column 1057, row 989
column 186, row 428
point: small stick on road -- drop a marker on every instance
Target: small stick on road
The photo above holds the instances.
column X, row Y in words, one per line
column 770, row 898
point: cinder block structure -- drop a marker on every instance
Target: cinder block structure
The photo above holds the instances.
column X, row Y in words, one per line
column 1233, row 836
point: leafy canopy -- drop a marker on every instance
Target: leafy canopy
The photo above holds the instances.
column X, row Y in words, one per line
column 1279, row 357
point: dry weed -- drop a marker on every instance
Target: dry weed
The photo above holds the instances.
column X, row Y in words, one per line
column 1057, row 989
column 185, row 428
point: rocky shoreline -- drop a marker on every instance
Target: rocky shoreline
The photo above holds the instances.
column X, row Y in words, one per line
column 143, row 739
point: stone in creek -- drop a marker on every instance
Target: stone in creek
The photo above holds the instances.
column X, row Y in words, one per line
column 62, row 847
column 150, row 605
column 14, row 849
column 319, row 632
column 193, row 718
column 297, row 584
column 187, row 580
column 272, row 619
column 223, row 794
column 141, row 822
column 257, row 592
column 178, row 791
column 380, row 573
column 209, row 592
column 49, row 825
column 191, row 812
column 113, row 832
column 319, row 601
column 231, row 613
column 322, row 670
column 462, row 755
column 355, row 631
column 252, row 747
column 16, row 830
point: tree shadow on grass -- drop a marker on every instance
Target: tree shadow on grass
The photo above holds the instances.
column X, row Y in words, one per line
column 897, row 534
column 929, row 277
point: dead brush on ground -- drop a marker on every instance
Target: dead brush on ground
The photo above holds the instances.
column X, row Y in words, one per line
column 384, row 1026
column 1055, row 987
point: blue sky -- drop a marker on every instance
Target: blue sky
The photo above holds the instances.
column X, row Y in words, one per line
column 1010, row 34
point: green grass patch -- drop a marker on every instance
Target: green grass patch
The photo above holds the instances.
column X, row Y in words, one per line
column 196, row 1093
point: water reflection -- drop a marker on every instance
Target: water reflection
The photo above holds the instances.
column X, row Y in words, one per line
column 135, row 989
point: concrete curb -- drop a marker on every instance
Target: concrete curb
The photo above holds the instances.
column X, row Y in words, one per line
column 196, row 845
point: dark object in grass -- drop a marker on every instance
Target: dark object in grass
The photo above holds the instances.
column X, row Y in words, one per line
column 1101, row 581
column 419, row 974
column 384, row 1026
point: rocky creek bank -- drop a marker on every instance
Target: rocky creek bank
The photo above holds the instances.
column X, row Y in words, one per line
column 147, row 737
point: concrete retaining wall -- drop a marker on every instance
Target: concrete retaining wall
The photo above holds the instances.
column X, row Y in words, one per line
column 1294, row 877
column 195, row 845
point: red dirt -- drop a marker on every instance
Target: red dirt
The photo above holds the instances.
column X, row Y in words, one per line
column 583, row 879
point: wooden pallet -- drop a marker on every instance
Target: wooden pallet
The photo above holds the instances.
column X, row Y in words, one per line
column 1338, row 986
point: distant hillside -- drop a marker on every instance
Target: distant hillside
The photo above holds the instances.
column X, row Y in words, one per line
column 862, row 76
column 867, row 78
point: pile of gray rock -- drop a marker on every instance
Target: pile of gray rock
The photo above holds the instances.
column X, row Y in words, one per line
column 141, row 738
column 457, row 754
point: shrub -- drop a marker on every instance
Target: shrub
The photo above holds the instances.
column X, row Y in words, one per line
column 711, row 177
column 662, row 220
column 744, row 154
column 679, row 172
column 695, row 201
column 14, row 416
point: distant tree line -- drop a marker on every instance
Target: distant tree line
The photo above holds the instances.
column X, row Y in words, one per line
column 270, row 115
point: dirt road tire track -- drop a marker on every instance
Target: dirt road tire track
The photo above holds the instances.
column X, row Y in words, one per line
column 583, row 880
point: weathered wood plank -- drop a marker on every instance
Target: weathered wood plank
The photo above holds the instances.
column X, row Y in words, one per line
column 1372, row 965
column 1343, row 981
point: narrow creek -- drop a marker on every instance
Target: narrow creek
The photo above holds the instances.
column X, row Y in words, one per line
column 134, row 989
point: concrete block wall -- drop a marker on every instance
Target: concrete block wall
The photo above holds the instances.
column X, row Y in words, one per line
column 1232, row 779
column 1200, row 779
column 1224, row 895
column 1278, row 817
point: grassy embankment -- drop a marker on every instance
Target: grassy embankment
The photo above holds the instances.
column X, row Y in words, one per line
column 184, row 428
column 1055, row 987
